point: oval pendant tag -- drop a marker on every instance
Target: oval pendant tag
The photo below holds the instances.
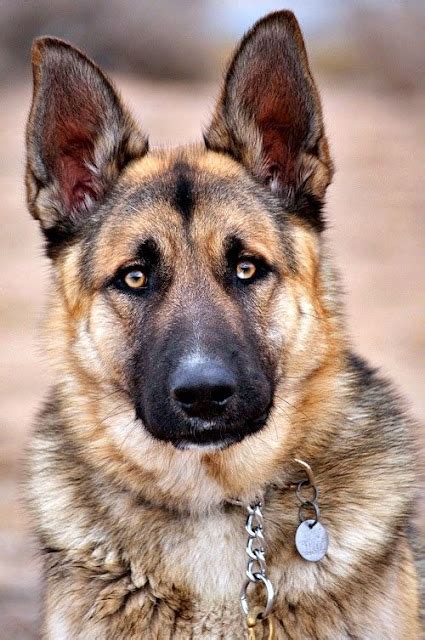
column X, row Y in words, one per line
column 311, row 540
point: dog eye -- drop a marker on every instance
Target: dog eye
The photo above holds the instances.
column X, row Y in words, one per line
column 134, row 279
column 246, row 269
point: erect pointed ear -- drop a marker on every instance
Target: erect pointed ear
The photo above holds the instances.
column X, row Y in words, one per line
column 79, row 137
column 269, row 116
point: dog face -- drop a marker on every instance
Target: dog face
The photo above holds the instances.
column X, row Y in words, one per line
column 188, row 280
column 183, row 290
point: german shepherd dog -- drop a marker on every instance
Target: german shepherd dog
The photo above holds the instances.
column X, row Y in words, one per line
column 199, row 347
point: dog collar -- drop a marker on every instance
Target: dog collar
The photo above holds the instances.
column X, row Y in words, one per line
column 311, row 542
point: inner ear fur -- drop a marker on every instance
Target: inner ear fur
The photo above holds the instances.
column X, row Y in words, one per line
column 79, row 136
column 269, row 116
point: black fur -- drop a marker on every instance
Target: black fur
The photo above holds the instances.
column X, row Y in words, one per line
column 183, row 199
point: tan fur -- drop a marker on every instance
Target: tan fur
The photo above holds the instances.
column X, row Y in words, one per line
column 141, row 539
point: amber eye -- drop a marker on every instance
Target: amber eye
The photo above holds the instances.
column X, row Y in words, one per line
column 246, row 270
column 135, row 279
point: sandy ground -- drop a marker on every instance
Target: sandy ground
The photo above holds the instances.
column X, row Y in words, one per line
column 376, row 212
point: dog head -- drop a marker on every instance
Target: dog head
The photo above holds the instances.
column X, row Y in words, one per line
column 187, row 280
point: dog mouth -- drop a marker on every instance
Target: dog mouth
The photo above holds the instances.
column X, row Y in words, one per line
column 209, row 435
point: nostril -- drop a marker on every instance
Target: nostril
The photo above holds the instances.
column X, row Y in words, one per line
column 217, row 394
column 221, row 393
column 184, row 395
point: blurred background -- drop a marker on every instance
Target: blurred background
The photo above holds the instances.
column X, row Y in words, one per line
column 167, row 58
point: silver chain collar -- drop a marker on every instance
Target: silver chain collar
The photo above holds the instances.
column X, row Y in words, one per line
column 311, row 541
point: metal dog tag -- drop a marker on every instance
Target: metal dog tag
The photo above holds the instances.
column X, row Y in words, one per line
column 311, row 540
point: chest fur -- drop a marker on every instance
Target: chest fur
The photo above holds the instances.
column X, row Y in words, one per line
column 188, row 580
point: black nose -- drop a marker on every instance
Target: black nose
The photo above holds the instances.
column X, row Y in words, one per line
column 203, row 387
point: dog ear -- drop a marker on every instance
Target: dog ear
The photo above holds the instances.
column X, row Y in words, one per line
column 79, row 137
column 269, row 116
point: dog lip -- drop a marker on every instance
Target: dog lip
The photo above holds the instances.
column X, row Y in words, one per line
column 220, row 437
column 186, row 445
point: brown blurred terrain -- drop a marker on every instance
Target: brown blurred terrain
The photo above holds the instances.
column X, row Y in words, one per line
column 376, row 213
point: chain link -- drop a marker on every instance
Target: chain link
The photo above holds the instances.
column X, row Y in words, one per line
column 308, row 504
column 256, row 571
